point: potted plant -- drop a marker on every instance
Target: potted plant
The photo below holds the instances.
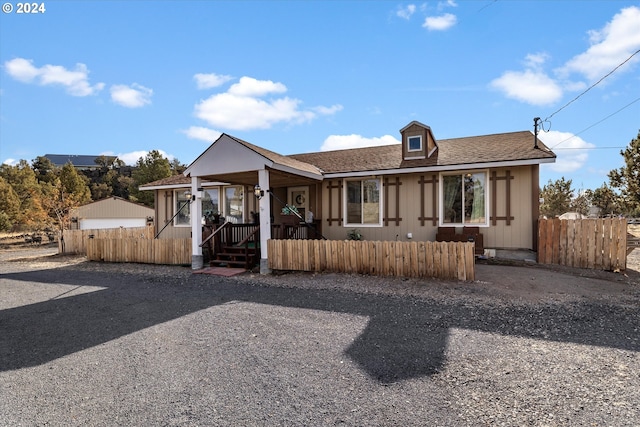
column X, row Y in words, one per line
column 355, row 234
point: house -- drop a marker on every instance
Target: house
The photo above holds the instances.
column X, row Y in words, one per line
column 111, row 212
column 405, row 191
column 80, row 162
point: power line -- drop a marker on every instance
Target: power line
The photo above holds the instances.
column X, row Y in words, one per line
column 590, row 148
column 595, row 84
column 596, row 123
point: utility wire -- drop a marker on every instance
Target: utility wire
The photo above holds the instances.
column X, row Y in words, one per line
column 596, row 123
column 594, row 85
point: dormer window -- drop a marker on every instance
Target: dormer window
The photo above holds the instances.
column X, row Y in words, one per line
column 414, row 143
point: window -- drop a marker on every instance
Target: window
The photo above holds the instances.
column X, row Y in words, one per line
column 182, row 209
column 464, row 199
column 363, row 202
column 414, row 143
column 210, row 204
column 233, row 204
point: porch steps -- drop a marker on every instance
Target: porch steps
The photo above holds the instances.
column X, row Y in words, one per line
column 234, row 256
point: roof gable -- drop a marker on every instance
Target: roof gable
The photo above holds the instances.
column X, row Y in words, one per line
column 231, row 155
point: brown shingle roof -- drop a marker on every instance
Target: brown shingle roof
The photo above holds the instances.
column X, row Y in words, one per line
column 172, row 180
column 495, row 148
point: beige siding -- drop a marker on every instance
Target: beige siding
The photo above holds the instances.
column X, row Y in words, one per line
column 517, row 235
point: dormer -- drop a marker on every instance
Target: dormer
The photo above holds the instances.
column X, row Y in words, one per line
column 417, row 141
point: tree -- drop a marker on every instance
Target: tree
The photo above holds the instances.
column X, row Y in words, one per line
column 581, row 203
column 605, row 199
column 9, row 206
column 23, row 180
column 627, row 178
column 152, row 167
column 557, row 198
column 44, row 169
column 74, row 186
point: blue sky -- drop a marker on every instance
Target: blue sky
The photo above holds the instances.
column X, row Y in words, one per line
column 126, row 77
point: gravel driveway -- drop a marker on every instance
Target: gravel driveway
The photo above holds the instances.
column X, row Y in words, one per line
column 137, row 345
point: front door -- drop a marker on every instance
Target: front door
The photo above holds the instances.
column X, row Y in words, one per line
column 299, row 197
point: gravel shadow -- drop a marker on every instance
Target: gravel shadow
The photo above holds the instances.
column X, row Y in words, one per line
column 406, row 337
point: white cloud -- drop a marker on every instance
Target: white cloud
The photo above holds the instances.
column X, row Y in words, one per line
column 202, row 133
column 75, row 81
column 341, row 142
column 133, row 96
column 610, row 46
column 572, row 151
column 242, row 107
column 248, row 86
column 440, row 23
column 132, row 157
column 406, row 12
column 328, row 111
column 10, row 162
column 530, row 86
column 446, row 4
column 208, row 81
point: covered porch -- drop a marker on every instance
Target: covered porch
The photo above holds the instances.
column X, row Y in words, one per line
column 275, row 186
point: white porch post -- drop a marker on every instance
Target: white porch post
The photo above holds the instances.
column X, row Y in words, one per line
column 197, row 260
column 265, row 220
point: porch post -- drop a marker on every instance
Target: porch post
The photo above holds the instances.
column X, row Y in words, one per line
column 197, row 260
column 265, row 220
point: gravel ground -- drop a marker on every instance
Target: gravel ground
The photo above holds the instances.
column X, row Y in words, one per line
column 101, row 344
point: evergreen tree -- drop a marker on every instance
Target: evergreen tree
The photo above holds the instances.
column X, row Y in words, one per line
column 606, row 200
column 74, row 186
column 152, row 167
column 627, row 178
column 557, row 198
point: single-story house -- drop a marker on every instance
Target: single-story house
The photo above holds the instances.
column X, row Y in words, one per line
column 111, row 212
column 411, row 190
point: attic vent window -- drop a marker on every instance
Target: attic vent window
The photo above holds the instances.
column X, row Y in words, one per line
column 414, row 143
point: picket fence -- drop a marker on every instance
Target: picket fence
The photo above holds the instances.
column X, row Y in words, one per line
column 444, row 260
column 585, row 243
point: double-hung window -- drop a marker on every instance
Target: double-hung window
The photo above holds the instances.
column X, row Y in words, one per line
column 363, row 202
column 464, row 199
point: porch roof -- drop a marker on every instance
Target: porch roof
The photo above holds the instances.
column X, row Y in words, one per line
column 235, row 161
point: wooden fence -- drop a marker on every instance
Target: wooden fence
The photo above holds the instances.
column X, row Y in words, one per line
column 585, row 243
column 145, row 251
column 75, row 241
column 445, row 260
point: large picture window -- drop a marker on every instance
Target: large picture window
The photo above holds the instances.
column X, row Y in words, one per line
column 464, row 199
column 363, row 202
